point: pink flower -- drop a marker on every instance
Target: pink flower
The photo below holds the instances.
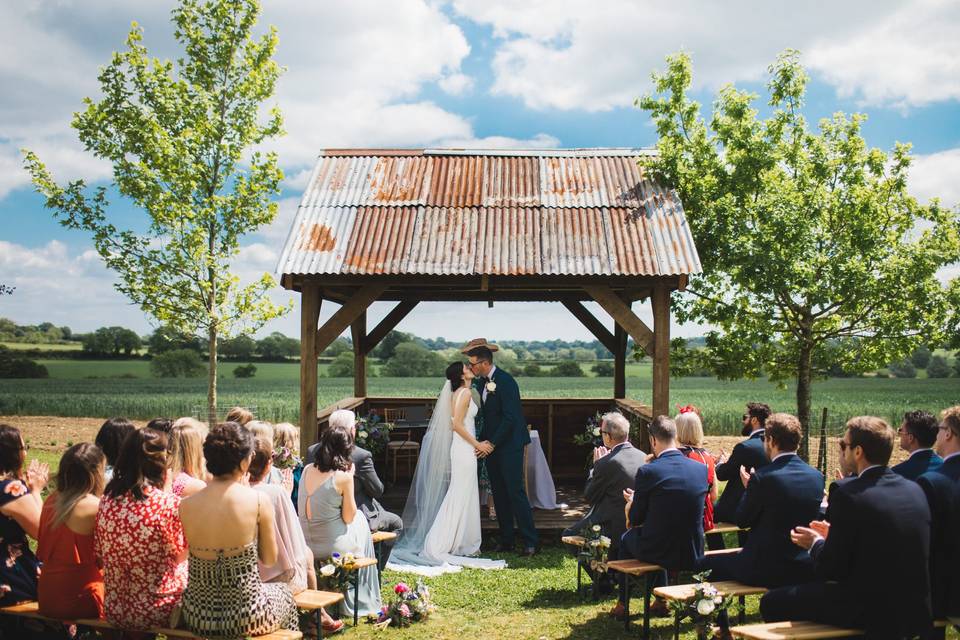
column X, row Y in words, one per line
column 405, row 611
column 401, row 588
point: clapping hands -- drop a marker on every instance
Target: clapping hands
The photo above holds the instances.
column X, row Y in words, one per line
column 805, row 537
column 38, row 475
column 599, row 452
column 745, row 475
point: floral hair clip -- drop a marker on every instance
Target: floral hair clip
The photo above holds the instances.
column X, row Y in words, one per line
column 687, row 409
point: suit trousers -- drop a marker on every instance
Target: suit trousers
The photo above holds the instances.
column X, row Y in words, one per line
column 505, row 468
column 387, row 521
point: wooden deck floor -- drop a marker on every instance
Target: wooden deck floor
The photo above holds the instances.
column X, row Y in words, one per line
column 546, row 521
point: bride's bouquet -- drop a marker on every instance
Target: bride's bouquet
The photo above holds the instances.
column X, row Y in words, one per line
column 408, row 606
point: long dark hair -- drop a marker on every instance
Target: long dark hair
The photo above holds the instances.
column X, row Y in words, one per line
column 335, row 450
column 11, row 443
column 455, row 375
column 111, row 436
column 143, row 460
column 80, row 473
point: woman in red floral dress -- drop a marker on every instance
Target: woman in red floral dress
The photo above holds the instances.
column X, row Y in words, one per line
column 139, row 537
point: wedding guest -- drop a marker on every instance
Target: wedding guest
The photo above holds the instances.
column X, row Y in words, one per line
column 239, row 415
column 199, row 425
column 367, row 487
column 330, row 519
column 917, row 435
column 110, row 438
column 942, row 488
column 748, row 454
column 294, row 566
column 871, row 555
column 20, row 505
column 71, row 585
column 230, row 528
column 615, row 466
column 139, row 537
column 664, row 509
column 163, row 425
column 286, row 455
column 690, row 440
column 186, row 461
column 263, row 429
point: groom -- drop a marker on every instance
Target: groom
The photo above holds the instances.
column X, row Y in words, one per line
column 505, row 429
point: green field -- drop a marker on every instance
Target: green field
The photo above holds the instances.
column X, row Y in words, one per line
column 96, row 389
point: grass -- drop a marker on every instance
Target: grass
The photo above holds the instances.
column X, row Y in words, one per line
column 45, row 346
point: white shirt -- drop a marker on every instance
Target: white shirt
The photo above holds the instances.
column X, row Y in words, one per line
column 665, row 450
column 785, row 453
column 490, row 379
column 952, row 455
column 919, row 450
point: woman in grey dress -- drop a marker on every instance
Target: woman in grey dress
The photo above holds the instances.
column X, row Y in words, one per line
column 330, row 519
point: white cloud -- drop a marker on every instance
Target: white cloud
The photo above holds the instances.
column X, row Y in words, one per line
column 456, row 84
column 539, row 141
column 937, row 175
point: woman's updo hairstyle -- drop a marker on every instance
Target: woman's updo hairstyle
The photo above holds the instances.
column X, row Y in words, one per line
column 335, row 450
column 143, row 460
column 455, row 375
column 227, row 445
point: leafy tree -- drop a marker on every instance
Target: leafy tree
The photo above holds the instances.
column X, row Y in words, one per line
column 921, row 357
column 239, row 348
column 182, row 139
column 567, row 369
column 938, row 368
column 532, row 370
column 277, row 346
column 338, row 346
column 956, row 363
column 342, row 366
column 603, row 369
column 582, row 354
column 14, row 366
column 388, row 346
column 178, row 363
column 6, row 290
column 167, row 338
column 803, row 235
column 903, row 369
column 411, row 360
column 245, row 371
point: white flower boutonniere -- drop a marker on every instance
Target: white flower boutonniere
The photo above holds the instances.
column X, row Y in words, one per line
column 491, row 386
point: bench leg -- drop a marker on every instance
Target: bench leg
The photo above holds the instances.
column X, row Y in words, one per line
column 319, row 624
column 356, row 600
column 646, row 606
column 625, row 585
column 376, row 554
column 676, row 626
column 579, row 572
column 741, row 617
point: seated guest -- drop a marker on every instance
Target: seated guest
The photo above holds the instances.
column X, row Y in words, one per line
column 110, row 437
column 71, row 585
column 614, row 469
column 230, row 527
column 918, row 433
column 199, row 425
column 367, row 487
column 330, row 519
column 690, row 440
column 20, row 505
column 139, row 538
column 665, row 507
column 163, row 425
column 748, row 454
column 294, row 565
column 262, row 429
column 780, row 496
column 239, row 415
column 286, row 437
column 872, row 555
column 942, row 488
column 186, row 460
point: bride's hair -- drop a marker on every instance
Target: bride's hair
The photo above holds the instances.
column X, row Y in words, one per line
column 455, row 375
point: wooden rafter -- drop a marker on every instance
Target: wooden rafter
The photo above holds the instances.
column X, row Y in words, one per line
column 593, row 325
column 623, row 315
column 389, row 322
column 346, row 314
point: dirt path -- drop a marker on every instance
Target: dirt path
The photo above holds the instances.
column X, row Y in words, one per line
column 52, row 433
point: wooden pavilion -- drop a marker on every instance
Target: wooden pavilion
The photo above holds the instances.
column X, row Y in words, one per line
column 418, row 226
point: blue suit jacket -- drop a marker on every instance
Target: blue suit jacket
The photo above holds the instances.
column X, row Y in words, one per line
column 918, row 464
column 780, row 496
column 750, row 454
column 668, row 502
column 503, row 421
column 942, row 488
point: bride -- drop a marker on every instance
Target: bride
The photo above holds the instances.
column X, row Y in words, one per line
column 442, row 515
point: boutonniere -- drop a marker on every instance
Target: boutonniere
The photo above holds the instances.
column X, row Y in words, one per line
column 491, row 386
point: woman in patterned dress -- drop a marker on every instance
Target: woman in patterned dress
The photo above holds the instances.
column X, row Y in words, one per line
column 139, row 537
column 229, row 526
column 20, row 505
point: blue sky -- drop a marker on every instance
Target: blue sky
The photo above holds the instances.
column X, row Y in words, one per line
column 482, row 73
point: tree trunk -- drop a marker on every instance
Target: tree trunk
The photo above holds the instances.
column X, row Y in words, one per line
column 212, row 378
column 804, row 377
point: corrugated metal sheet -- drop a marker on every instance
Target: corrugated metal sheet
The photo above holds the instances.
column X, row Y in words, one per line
column 582, row 211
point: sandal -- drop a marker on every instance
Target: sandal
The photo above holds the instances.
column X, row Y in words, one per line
column 330, row 628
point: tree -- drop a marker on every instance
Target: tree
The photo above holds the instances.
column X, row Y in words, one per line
column 277, row 346
column 6, row 290
column 921, row 356
column 338, row 346
column 903, row 369
column 411, row 360
column 342, row 366
column 239, row 348
column 567, row 369
column 178, row 363
column 244, row 371
column 532, row 370
column 603, row 369
column 167, row 338
column 388, row 346
column 956, row 363
column 14, row 366
column 938, row 368
column 803, row 236
column 182, row 138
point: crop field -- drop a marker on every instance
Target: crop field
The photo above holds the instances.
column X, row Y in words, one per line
column 104, row 388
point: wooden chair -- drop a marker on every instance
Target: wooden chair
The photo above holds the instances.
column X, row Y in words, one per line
column 402, row 448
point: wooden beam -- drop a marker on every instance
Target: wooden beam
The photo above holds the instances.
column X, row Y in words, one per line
column 620, row 363
column 593, row 325
column 309, row 317
column 358, row 330
column 661, row 351
column 623, row 315
column 389, row 322
column 346, row 314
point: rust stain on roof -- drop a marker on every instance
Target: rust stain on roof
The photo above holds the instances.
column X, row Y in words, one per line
column 317, row 237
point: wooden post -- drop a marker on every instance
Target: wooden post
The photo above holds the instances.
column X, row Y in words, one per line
column 358, row 331
column 620, row 362
column 661, row 350
column 309, row 318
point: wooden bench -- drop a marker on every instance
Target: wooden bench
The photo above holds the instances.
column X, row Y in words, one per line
column 725, row 527
column 722, row 552
column 801, row 630
column 724, row 587
column 579, row 541
column 32, row 610
column 379, row 537
column 360, row 563
column 632, row 569
column 312, row 601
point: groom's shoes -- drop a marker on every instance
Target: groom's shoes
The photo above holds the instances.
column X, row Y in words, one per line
column 529, row 552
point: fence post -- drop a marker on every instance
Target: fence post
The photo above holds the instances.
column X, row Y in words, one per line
column 822, row 449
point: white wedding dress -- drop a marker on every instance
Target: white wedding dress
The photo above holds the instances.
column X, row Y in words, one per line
column 453, row 535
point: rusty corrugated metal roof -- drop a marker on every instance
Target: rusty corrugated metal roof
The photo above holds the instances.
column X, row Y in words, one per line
column 498, row 212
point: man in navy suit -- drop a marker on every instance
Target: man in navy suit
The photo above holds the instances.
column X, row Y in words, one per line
column 917, row 432
column 942, row 488
column 667, row 500
column 784, row 494
column 872, row 556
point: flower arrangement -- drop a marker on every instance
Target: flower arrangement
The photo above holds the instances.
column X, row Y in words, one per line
column 335, row 573
column 595, row 549
column 285, row 458
column 703, row 608
column 591, row 432
column 372, row 433
column 408, row 606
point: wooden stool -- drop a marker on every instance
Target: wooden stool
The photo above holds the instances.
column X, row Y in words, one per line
column 792, row 630
column 311, row 600
column 688, row 591
column 634, row 569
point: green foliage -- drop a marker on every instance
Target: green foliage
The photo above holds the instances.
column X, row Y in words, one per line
column 567, row 369
column 277, row 346
column 14, row 366
column 167, row 338
column 938, row 368
column 342, row 366
column 338, row 346
column 178, row 363
column 603, row 369
column 245, row 371
column 903, row 369
column 239, row 348
column 183, row 140
column 43, row 333
column 533, row 370
column 388, row 346
column 111, row 341
column 804, row 235
column 921, row 356
column 411, row 360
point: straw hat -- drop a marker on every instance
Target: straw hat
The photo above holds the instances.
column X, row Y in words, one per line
column 479, row 342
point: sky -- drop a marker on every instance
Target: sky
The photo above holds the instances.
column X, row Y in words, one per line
column 462, row 73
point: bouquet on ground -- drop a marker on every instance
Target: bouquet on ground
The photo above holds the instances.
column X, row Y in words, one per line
column 703, row 607
column 336, row 572
column 408, row 606
column 285, row 458
column 595, row 549
column 373, row 433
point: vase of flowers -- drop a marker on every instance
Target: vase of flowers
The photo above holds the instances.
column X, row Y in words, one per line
column 407, row 606
column 595, row 549
column 703, row 607
column 373, row 433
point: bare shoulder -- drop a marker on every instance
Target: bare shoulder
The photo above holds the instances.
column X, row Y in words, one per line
column 87, row 506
